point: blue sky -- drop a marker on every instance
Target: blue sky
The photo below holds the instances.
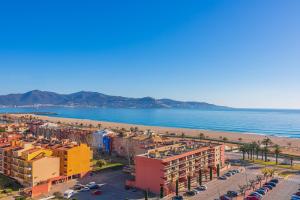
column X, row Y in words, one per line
column 234, row 53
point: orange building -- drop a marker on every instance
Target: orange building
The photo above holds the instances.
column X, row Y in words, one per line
column 75, row 160
column 161, row 167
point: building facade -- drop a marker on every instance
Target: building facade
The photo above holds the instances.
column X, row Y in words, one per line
column 162, row 167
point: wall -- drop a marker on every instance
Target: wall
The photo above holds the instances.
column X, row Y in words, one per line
column 148, row 174
column 79, row 160
column 44, row 169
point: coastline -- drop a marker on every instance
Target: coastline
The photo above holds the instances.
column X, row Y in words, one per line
column 290, row 145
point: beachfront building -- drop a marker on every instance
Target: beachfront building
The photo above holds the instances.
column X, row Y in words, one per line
column 162, row 167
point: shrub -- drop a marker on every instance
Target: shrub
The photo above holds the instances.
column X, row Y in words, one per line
column 101, row 163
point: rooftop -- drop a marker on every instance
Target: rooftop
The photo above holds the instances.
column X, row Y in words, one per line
column 177, row 149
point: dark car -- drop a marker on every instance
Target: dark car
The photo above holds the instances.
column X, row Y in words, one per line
column 93, row 187
column 232, row 194
column 271, row 183
column 269, row 187
column 224, row 197
column 177, row 198
column 190, row 193
column 261, row 191
column 275, row 180
column 222, row 178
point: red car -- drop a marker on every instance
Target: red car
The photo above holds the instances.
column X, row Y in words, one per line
column 97, row 192
column 251, row 198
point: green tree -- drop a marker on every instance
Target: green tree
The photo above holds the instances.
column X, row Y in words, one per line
column 201, row 136
column 161, row 192
column 292, row 161
column 200, row 177
column 267, row 142
column 182, row 135
column 242, row 149
column 277, row 151
column 218, row 170
column 189, row 183
column 210, row 173
column 146, row 194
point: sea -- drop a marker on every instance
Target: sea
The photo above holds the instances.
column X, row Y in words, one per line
column 282, row 123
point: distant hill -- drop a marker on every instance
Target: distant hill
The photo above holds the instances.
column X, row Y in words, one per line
column 95, row 99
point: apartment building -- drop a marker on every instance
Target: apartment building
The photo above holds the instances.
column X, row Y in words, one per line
column 32, row 166
column 75, row 160
column 161, row 167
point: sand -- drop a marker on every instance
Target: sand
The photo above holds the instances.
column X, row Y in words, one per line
column 289, row 145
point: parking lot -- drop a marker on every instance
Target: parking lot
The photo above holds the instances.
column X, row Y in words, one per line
column 114, row 188
column 217, row 188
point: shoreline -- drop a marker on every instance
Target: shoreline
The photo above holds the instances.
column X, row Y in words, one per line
column 289, row 145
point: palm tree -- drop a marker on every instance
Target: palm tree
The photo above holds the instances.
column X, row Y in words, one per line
column 182, row 135
column 252, row 183
column 161, row 195
column 265, row 172
column 277, row 151
column 292, row 159
column 272, row 172
column 242, row 148
column 242, row 190
column 201, row 136
column 176, row 189
column 189, row 183
column 267, row 141
column 259, row 180
column 210, row 173
column 200, row 177
column 257, row 149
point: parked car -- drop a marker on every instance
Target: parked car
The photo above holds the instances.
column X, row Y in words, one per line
column 223, row 178
column 202, row 188
column 78, row 187
column 256, row 194
column 177, row 198
column 85, row 189
column 232, row 194
column 225, row 197
column 228, row 174
column 93, row 187
column 261, row 191
column 265, row 189
column 295, row 197
column 272, row 184
column 252, row 198
column 274, row 180
column 270, row 187
column 68, row 194
column 196, row 191
column 190, row 193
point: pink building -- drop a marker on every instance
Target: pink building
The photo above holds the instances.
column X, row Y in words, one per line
column 161, row 167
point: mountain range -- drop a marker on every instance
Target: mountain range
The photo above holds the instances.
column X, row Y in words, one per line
column 95, row 99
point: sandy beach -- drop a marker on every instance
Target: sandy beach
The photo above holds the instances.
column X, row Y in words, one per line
column 290, row 145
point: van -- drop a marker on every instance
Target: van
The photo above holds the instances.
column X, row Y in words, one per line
column 68, row 194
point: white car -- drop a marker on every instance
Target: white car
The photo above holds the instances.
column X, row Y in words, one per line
column 196, row 191
column 202, row 187
column 85, row 189
column 68, row 194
